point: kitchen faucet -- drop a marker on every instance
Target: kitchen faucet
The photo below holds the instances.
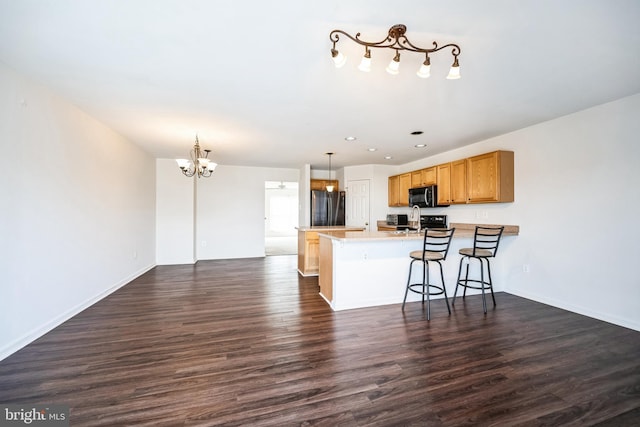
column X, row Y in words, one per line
column 413, row 216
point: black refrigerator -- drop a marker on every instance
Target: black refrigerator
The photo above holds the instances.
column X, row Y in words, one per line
column 327, row 208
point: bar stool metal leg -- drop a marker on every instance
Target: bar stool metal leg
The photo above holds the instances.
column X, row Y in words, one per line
column 482, row 286
column 425, row 276
column 408, row 284
column 455, row 292
column 425, row 280
column 444, row 288
column 491, row 282
column 435, row 247
column 485, row 246
column 466, row 278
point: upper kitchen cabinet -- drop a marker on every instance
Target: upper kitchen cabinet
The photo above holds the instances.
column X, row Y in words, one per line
column 399, row 189
column 405, row 184
column 394, row 190
column 423, row 177
column 321, row 184
column 451, row 179
column 429, row 176
column 490, row 177
column 444, row 183
column 458, row 181
column 416, row 179
column 487, row 178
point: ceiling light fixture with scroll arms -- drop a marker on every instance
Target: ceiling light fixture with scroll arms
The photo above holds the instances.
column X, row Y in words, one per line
column 397, row 41
column 199, row 165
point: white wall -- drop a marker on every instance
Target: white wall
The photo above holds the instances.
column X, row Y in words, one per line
column 175, row 215
column 577, row 203
column 76, row 211
column 304, row 196
column 229, row 212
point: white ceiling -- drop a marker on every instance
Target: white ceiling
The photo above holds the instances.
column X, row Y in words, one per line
column 255, row 81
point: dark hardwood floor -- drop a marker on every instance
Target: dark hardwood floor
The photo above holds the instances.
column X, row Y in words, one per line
column 249, row 342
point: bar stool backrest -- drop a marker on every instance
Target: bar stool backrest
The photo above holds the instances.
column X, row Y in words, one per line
column 487, row 239
column 437, row 240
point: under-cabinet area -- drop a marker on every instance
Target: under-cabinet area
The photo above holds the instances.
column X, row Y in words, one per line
column 485, row 178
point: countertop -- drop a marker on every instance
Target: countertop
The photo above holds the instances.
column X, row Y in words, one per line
column 337, row 228
column 462, row 230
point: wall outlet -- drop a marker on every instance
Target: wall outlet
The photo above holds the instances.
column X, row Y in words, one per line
column 485, row 214
column 203, row 243
column 525, row 268
column 134, row 254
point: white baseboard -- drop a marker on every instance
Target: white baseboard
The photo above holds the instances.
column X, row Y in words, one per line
column 606, row 317
column 28, row 338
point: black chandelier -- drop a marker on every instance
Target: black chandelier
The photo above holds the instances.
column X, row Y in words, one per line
column 398, row 41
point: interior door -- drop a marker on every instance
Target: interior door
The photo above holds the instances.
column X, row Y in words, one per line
column 358, row 203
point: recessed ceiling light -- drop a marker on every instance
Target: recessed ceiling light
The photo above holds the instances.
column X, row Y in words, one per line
column 372, row 149
column 388, row 157
column 417, row 132
column 420, row 145
column 350, row 138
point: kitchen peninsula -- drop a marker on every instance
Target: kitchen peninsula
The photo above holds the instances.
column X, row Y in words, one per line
column 309, row 246
column 369, row 268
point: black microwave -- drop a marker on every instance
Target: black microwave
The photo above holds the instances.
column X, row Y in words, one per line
column 424, row 197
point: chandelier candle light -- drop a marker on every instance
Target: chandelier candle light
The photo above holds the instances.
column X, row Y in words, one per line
column 397, row 41
column 199, row 164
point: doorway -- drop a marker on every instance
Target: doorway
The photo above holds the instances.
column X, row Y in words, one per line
column 280, row 218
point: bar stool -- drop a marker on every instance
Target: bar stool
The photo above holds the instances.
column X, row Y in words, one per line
column 434, row 249
column 485, row 246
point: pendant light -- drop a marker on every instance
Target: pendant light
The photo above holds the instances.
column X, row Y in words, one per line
column 329, row 187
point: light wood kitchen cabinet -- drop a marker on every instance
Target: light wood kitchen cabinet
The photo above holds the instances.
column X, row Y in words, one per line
column 383, row 226
column 416, row 179
column 321, row 184
column 429, row 176
column 490, row 177
column 394, row 190
column 459, row 181
column 405, row 184
column 486, row 178
column 325, row 279
column 308, row 252
column 423, row 177
column 451, row 182
column 309, row 256
column 398, row 189
column 443, row 181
